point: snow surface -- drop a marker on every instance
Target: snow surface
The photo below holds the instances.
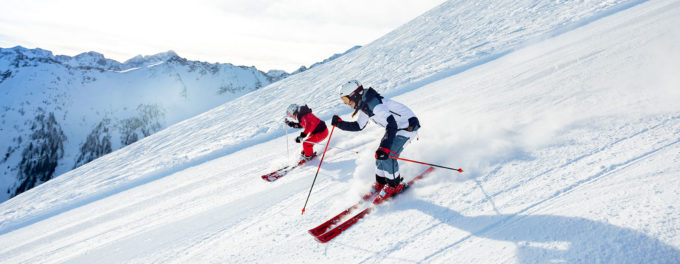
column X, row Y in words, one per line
column 563, row 115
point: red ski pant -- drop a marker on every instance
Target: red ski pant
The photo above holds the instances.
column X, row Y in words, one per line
column 307, row 147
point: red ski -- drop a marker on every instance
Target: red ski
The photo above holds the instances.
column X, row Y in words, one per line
column 322, row 232
column 322, row 228
column 275, row 175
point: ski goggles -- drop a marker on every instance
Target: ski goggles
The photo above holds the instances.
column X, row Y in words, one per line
column 345, row 99
column 353, row 95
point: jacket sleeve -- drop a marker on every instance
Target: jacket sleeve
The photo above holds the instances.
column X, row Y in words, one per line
column 358, row 125
column 293, row 124
column 383, row 116
column 390, row 132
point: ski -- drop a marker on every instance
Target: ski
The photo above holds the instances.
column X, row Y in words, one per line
column 326, row 236
column 322, row 228
column 277, row 174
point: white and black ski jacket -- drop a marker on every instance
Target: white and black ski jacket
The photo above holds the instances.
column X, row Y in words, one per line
column 395, row 117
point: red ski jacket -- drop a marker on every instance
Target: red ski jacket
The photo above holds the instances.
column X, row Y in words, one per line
column 310, row 122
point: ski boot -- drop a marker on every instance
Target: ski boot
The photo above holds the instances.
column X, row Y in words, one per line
column 387, row 192
column 304, row 158
column 374, row 189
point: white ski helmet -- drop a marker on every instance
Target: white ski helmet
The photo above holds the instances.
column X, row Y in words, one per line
column 292, row 110
column 352, row 90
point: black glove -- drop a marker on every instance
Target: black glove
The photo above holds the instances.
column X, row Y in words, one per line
column 301, row 137
column 336, row 119
column 413, row 124
column 292, row 124
column 382, row 153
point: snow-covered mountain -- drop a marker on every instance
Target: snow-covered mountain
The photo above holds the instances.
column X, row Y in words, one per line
column 563, row 115
column 60, row 112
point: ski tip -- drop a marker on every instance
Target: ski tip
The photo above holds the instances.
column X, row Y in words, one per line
column 460, row 170
column 303, row 211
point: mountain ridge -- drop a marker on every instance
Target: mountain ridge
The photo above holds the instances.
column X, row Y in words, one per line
column 117, row 104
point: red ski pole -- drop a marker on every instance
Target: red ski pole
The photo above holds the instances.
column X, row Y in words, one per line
column 317, row 170
column 433, row 165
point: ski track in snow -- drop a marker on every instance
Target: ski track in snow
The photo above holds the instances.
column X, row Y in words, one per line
column 602, row 150
column 607, row 171
column 568, row 138
column 643, row 135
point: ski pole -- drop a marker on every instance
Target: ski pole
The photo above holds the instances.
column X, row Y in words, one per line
column 315, row 143
column 433, row 165
column 317, row 170
column 287, row 151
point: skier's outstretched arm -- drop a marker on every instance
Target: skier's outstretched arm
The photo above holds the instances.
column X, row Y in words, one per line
column 292, row 124
column 350, row 126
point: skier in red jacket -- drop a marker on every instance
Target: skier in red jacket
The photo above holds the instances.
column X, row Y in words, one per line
column 314, row 129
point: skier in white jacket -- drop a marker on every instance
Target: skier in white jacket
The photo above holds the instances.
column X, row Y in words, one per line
column 400, row 125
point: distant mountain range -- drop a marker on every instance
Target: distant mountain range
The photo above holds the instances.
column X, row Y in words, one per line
column 60, row 112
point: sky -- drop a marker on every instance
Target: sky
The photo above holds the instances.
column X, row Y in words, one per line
column 267, row 34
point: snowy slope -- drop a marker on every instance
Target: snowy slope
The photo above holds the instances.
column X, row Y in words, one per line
column 564, row 116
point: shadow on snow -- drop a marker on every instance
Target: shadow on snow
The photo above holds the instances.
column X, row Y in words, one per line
column 550, row 238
